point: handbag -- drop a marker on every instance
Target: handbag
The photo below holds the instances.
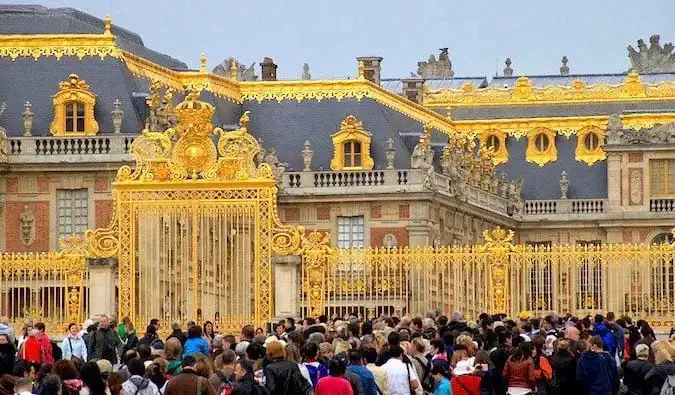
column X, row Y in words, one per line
column 73, row 357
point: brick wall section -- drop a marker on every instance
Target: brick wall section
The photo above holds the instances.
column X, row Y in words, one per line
column 43, row 185
column 627, row 237
column 13, row 231
column 377, row 236
column 635, row 157
column 323, row 213
column 404, row 211
column 103, row 214
column 101, row 184
column 292, row 214
column 12, row 185
column 376, row 211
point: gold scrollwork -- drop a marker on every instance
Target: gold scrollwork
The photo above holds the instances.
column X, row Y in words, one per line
column 589, row 145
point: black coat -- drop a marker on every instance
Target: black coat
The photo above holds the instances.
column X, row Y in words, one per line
column 658, row 375
column 247, row 386
column 634, row 373
column 284, row 377
column 564, row 368
column 7, row 358
column 182, row 338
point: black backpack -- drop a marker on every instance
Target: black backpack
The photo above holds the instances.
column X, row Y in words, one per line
column 427, row 380
column 56, row 351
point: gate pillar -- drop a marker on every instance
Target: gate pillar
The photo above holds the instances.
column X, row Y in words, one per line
column 285, row 274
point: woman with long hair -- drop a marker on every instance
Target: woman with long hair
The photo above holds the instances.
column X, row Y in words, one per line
column 157, row 373
column 564, row 367
column 519, row 370
column 7, row 355
column 208, row 333
column 74, row 347
column 440, row 371
column 93, row 382
column 67, row 372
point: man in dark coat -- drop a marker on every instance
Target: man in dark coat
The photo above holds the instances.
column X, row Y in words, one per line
column 188, row 382
column 596, row 371
column 564, row 368
column 104, row 342
column 246, row 384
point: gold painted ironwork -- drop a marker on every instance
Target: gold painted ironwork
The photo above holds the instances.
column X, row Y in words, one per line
column 351, row 133
column 48, row 287
column 522, row 92
column 74, row 92
column 497, row 276
column 195, row 225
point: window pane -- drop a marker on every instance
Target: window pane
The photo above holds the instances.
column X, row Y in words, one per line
column 357, row 147
column 357, row 160
column 72, row 210
column 80, row 124
column 350, row 232
column 69, row 110
column 69, row 124
column 80, row 110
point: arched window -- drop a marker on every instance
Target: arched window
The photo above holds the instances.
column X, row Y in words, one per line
column 663, row 275
column 663, row 238
column 542, row 142
column 352, row 153
column 351, row 146
column 493, row 142
column 495, row 139
column 74, row 117
column 74, row 109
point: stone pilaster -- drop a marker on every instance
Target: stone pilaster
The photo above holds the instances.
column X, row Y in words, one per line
column 614, row 181
column 102, row 287
column 286, row 286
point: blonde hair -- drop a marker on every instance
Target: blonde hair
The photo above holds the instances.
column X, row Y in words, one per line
column 661, row 350
column 457, row 356
column 325, row 347
column 467, row 341
column 172, row 348
column 642, row 351
column 342, row 346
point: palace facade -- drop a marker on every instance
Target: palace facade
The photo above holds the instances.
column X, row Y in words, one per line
column 428, row 160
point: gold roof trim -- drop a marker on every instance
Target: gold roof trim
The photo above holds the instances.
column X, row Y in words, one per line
column 632, row 89
column 58, row 45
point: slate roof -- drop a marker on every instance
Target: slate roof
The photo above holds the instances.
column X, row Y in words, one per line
column 588, row 79
column 396, row 84
column 35, row 19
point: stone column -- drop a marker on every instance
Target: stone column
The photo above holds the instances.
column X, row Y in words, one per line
column 419, row 298
column 286, row 286
column 102, row 288
column 614, row 181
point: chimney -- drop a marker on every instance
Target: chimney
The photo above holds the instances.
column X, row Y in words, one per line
column 412, row 89
column 371, row 67
column 269, row 69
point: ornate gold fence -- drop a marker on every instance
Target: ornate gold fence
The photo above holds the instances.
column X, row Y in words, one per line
column 497, row 276
column 47, row 287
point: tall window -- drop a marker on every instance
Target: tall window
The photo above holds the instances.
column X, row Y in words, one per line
column 74, row 117
column 663, row 273
column 589, row 283
column 350, row 232
column 662, row 177
column 541, row 276
column 352, row 150
column 72, row 211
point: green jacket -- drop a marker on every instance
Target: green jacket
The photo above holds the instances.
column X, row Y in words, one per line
column 103, row 344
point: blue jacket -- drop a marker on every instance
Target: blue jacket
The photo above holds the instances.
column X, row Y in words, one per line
column 367, row 378
column 608, row 340
column 443, row 387
column 74, row 347
column 194, row 345
column 596, row 373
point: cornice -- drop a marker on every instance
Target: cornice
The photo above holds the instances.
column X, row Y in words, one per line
column 523, row 92
column 58, row 45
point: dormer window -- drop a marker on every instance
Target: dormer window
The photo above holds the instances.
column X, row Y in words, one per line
column 541, row 147
column 351, row 146
column 496, row 140
column 589, row 142
column 74, row 109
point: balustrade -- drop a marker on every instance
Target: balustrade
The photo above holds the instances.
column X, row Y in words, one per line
column 661, row 205
column 41, row 149
column 565, row 206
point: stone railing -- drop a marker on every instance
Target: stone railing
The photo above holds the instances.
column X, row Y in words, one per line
column 564, row 206
column 384, row 181
column 661, row 205
column 70, row 149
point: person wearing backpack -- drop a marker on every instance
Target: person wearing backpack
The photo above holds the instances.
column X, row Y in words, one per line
column 661, row 376
column 608, row 339
column 367, row 379
column 422, row 364
column 245, row 382
column 223, row 379
column 316, row 369
column 596, row 371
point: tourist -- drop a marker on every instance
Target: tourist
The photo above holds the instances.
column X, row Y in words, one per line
column 519, row 370
column 127, row 334
column 440, row 371
column 31, row 349
column 366, row 376
column 7, row 355
column 293, row 355
column 217, row 346
column 245, row 383
column 224, row 371
column 177, row 333
column 419, row 361
column 634, row 372
column 195, row 343
column 464, row 381
column 563, row 366
column 138, row 384
column 335, row 383
column 156, row 372
column 92, row 378
column 74, row 347
column 316, row 369
column 596, row 370
column 25, row 369
column 172, row 353
column 662, row 368
column 104, row 342
column 7, row 330
column 283, row 376
column 542, row 368
column 114, row 383
column 7, row 384
column 24, row 336
column 208, row 333
column 51, row 385
column 46, row 347
column 151, row 339
column 402, row 376
column 484, row 369
column 67, row 372
column 259, row 332
column 379, row 373
column 105, row 367
column 188, row 382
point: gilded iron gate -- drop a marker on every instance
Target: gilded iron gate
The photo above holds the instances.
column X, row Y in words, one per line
column 195, row 225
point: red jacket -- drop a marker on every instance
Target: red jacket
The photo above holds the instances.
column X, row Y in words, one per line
column 46, row 349
column 467, row 384
column 31, row 351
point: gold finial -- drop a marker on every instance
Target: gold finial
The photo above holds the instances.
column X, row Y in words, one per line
column 107, row 26
column 362, row 69
column 234, row 70
column 202, row 63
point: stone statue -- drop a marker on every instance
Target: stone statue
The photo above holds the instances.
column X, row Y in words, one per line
column 422, row 155
column 278, row 168
column 515, row 195
column 307, row 154
column 564, row 185
column 457, row 172
column 117, row 116
column 655, row 59
column 27, row 119
column 564, row 69
column 661, row 134
column 260, row 157
column 441, row 68
column 27, row 225
column 305, row 72
column 390, row 154
column 243, row 73
column 615, row 133
column 161, row 114
column 3, row 107
column 4, row 146
column 503, row 186
column 508, row 71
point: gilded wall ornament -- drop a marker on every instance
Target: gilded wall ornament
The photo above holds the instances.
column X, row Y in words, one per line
column 27, row 225
column 541, row 147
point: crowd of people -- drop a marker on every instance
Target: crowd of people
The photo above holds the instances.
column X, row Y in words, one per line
column 435, row 354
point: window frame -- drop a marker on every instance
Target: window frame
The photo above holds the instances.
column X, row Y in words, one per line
column 666, row 177
column 590, row 154
column 356, row 226
column 77, row 211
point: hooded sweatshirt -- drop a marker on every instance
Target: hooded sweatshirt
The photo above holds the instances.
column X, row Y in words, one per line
column 140, row 386
column 596, row 373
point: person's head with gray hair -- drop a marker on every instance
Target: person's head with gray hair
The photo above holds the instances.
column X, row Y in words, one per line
column 241, row 348
column 33, row 332
column 316, row 337
column 217, row 342
column 642, row 352
column 428, row 323
column 175, row 325
column 457, row 316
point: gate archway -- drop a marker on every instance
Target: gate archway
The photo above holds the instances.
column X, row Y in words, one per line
column 195, row 225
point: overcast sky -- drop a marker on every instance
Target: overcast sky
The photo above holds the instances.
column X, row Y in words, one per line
column 329, row 34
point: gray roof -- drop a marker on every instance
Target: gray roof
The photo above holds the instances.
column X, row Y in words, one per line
column 588, row 79
column 34, row 19
column 396, row 84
